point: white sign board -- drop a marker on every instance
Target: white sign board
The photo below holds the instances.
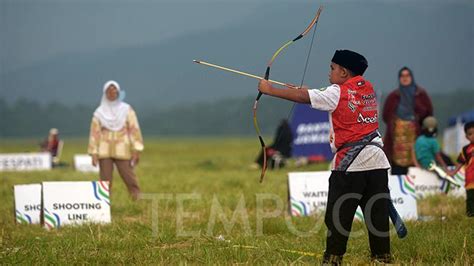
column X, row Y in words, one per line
column 27, row 203
column 25, row 161
column 75, row 203
column 309, row 191
column 83, row 163
column 428, row 183
column 403, row 194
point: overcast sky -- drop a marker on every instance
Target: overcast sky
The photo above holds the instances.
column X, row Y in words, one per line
column 436, row 37
column 34, row 30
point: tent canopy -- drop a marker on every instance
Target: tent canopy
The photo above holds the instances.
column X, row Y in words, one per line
column 464, row 117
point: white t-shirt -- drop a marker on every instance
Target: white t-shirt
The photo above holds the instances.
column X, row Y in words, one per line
column 371, row 157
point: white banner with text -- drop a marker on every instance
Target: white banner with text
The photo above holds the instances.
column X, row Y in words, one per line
column 27, row 203
column 309, row 191
column 25, row 161
column 429, row 183
column 67, row 203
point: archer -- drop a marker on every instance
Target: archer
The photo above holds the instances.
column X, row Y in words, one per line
column 359, row 168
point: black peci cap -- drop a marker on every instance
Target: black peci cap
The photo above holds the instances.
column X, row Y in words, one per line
column 353, row 61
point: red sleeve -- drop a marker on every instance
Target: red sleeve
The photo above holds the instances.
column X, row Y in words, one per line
column 461, row 158
column 464, row 157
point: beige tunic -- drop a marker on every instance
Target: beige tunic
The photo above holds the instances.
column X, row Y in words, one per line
column 116, row 144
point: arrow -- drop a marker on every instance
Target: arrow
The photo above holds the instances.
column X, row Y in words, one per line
column 240, row 73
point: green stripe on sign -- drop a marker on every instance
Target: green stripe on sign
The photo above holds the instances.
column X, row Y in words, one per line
column 296, row 206
column 103, row 194
column 50, row 219
column 21, row 220
column 408, row 187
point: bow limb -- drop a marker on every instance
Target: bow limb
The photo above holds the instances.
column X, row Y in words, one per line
column 267, row 76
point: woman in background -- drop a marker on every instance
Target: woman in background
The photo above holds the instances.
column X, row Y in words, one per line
column 116, row 139
column 403, row 113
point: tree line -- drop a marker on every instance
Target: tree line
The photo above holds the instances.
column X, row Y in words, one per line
column 233, row 116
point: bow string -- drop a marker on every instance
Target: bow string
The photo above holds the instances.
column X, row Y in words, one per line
column 267, row 76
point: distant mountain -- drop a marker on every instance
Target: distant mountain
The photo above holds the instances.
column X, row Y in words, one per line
column 436, row 41
column 231, row 116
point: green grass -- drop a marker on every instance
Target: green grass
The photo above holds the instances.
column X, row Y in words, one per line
column 218, row 171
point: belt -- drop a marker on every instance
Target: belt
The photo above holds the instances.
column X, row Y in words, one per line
column 359, row 143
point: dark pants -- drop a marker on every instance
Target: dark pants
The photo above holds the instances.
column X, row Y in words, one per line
column 125, row 170
column 347, row 190
column 470, row 202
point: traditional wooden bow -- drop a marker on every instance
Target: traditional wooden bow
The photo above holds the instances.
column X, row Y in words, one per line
column 267, row 76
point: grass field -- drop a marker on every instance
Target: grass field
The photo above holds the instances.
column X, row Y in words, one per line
column 205, row 177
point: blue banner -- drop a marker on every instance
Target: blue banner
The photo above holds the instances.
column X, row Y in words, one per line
column 310, row 129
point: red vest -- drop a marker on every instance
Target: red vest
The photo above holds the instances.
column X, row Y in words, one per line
column 356, row 114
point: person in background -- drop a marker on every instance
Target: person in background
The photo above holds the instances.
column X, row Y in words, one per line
column 281, row 146
column 426, row 149
column 116, row 139
column 51, row 144
column 403, row 113
column 466, row 159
